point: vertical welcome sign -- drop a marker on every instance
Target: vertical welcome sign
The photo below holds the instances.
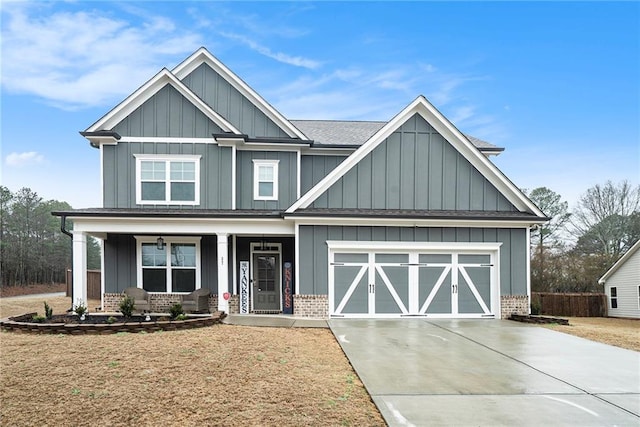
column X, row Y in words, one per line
column 287, row 295
column 244, row 287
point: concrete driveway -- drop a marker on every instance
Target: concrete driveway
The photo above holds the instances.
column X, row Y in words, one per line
column 490, row 372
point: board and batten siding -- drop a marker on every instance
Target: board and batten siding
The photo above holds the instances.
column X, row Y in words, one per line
column 120, row 263
column 119, row 173
column 230, row 103
column 414, row 168
column 167, row 114
column 287, row 179
column 627, row 280
column 314, row 168
column 313, row 250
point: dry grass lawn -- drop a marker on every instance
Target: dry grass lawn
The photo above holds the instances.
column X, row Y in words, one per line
column 220, row 375
column 623, row 333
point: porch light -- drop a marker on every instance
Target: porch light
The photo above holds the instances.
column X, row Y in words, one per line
column 160, row 243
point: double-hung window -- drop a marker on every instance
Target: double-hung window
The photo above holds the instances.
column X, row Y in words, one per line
column 265, row 179
column 167, row 180
column 614, row 297
column 175, row 267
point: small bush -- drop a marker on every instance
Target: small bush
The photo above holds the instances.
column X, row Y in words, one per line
column 111, row 320
column 81, row 308
column 181, row 316
column 176, row 310
column 535, row 308
column 38, row 319
column 127, row 305
column 48, row 311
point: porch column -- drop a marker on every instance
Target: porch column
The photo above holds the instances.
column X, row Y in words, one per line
column 223, row 271
column 79, row 268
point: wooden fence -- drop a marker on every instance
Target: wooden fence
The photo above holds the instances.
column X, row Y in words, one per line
column 573, row 305
column 93, row 284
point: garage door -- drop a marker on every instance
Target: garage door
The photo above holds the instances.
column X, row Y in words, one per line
column 383, row 279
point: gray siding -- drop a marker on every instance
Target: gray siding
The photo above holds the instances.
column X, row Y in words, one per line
column 313, row 261
column 120, row 175
column 314, row 168
column 167, row 114
column 230, row 103
column 287, row 179
column 120, row 263
column 414, row 168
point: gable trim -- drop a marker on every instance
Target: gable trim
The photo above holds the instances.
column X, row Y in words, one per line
column 146, row 91
column 619, row 263
column 443, row 126
column 203, row 56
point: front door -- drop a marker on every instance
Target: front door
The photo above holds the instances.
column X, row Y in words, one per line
column 266, row 282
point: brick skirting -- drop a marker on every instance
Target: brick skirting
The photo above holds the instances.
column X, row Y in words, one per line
column 316, row 306
column 514, row 304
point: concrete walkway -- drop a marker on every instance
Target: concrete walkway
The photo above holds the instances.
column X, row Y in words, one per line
column 274, row 321
column 490, row 373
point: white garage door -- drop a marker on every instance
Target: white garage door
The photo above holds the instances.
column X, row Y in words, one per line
column 395, row 279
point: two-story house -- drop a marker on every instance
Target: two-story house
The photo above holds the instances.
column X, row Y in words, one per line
column 206, row 185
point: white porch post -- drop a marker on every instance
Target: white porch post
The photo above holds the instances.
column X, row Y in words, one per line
column 223, row 271
column 79, row 268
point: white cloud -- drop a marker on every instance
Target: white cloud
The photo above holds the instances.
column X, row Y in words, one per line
column 24, row 159
column 297, row 61
column 77, row 59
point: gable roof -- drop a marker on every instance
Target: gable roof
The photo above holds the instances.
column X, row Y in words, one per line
column 443, row 126
column 355, row 133
column 203, row 56
column 146, row 91
column 619, row 263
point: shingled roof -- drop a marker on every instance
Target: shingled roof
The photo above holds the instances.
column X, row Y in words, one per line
column 356, row 133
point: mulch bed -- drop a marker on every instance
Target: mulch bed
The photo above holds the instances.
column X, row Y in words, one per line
column 538, row 319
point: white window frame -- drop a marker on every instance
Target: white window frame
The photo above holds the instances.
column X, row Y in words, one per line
column 167, row 159
column 612, row 297
column 257, row 163
column 638, row 288
column 168, row 241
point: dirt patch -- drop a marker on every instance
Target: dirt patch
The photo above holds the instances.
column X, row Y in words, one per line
column 623, row 333
column 220, row 375
column 12, row 291
column 17, row 306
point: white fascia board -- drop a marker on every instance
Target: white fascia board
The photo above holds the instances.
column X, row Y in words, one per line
column 203, row 56
column 440, row 123
column 619, row 263
column 197, row 226
column 168, row 140
column 409, row 222
column 337, row 245
column 149, row 89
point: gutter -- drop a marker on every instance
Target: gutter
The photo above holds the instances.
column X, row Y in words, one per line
column 63, row 228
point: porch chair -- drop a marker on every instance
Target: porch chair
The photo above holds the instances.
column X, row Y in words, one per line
column 196, row 301
column 141, row 298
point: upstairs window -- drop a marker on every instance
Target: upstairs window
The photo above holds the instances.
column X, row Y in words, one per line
column 265, row 179
column 614, row 297
column 167, row 180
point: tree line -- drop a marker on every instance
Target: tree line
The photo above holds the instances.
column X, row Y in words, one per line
column 574, row 249
column 33, row 249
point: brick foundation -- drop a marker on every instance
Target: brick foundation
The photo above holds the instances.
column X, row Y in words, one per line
column 316, row 306
column 160, row 303
column 514, row 304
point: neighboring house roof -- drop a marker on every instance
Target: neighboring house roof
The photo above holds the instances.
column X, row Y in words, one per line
column 146, row 91
column 620, row 263
column 445, row 128
column 355, row 133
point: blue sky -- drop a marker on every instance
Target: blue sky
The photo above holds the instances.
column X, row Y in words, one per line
column 555, row 83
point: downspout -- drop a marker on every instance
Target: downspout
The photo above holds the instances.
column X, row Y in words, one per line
column 63, row 228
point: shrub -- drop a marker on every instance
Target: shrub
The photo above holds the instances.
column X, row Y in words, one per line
column 38, row 319
column 127, row 305
column 535, row 307
column 48, row 311
column 175, row 310
column 81, row 308
column 111, row 320
column 181, row 316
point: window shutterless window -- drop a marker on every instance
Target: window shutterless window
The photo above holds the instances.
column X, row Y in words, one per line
column 614, row 297
column 167, row 180
column 265, row 179
column 174, row 268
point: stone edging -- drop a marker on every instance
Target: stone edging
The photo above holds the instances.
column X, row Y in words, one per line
column 103, row 329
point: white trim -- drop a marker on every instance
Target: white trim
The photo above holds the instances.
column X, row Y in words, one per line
column 528, row 267
column 443, row 126
column 169, row 140
column 79, row 271
column 298, row 173
column 254, row 248
column 411, row 222
column 223, row 270
column 203, row 56
column 150, row 88
column 102, row 275
column 401, row 247
column 296, row 242
column 234, row 163
column 101, row 148
column 168, row 159
column 619, row 263
column 168, row 240
column 234, row 283
column 257, row 163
